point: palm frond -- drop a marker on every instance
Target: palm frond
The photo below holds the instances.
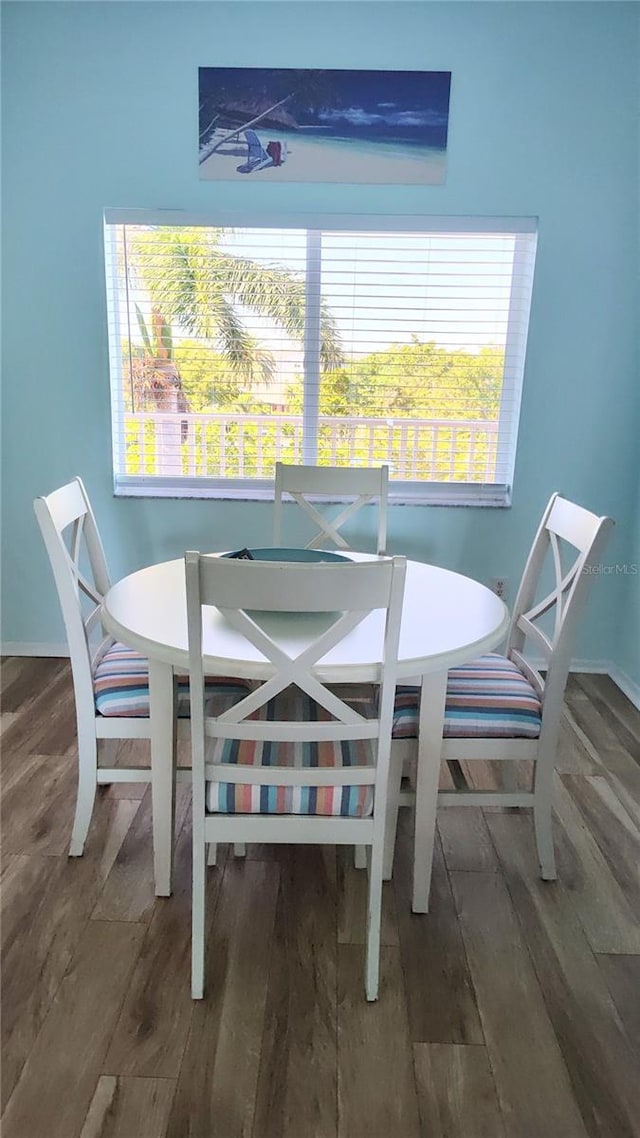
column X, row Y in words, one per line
column 239, row 347
column 198, row 286
column 144, row 332
column 280, row 294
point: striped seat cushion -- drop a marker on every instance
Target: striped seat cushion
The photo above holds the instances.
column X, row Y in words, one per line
column 121, row 685
column 247, row 798
column 487, row 699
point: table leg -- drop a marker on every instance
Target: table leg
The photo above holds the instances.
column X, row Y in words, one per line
column 432, row 701
column 162, row 699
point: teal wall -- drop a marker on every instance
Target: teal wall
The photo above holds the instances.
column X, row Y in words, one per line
column 99, row 109
column 628, row 646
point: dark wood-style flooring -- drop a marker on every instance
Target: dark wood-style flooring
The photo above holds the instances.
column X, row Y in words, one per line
column 511, row 1011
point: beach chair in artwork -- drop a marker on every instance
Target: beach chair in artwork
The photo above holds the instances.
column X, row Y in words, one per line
column 257, row 156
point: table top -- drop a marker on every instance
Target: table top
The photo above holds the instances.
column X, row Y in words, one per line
column 447, row 619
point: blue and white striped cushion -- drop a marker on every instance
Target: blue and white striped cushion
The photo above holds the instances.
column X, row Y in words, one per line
column 247, row 798
column 487, row 699
column 121, row 685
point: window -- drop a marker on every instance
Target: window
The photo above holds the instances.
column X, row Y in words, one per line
column 358, row 342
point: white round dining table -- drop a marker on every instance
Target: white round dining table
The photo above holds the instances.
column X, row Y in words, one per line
column 447, row 619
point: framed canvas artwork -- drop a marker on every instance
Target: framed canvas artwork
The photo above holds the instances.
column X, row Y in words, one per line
column 283, row 125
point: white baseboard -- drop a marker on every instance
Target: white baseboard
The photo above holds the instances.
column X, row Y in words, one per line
column 596, row 667
column 16, row 648
column 620, row 678
column 628, row 686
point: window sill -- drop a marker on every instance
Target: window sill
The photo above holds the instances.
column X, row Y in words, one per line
column 436, row 494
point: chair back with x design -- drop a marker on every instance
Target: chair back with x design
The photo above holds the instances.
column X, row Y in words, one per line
column 293, row 761
column 331, row 483
column 76, row 553
column 567, row 533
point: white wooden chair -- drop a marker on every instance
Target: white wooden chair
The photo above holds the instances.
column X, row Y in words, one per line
column 292, row 762
column 110, row 681
column 500, row 706
column 363, row 484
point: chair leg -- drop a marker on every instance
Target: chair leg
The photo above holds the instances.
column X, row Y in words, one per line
column 391, row 821
column 163, row 722
column 239, row 849
column 212, row 853
column 374, row 917
column 198, row 916
column 432, row 704
column 360, row 857
column 87, row 784
column 542, row 822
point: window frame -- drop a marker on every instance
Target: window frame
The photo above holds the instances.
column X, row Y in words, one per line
column 496, row 494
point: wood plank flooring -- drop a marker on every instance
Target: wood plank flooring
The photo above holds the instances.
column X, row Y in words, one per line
column 511, row 1011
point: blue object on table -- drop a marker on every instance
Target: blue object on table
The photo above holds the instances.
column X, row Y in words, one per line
column 242, row 555
column 278, row 554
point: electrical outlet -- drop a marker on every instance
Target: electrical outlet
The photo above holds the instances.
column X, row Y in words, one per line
column 499, row 587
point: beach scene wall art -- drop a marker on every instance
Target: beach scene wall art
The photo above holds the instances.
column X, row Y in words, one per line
column 262, row 124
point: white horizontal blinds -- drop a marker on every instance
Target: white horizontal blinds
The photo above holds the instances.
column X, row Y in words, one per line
column 426, row 322
column 232, row 348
